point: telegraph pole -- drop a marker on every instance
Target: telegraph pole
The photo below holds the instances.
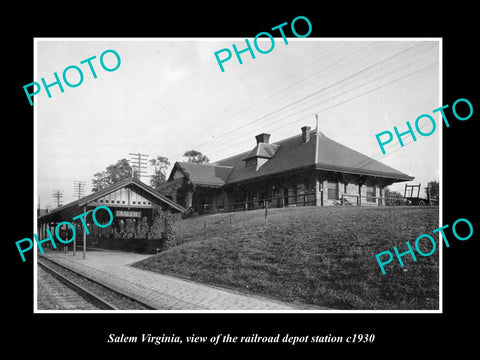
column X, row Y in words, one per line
column 78, row 188
column 58, row 196
column 139, row 164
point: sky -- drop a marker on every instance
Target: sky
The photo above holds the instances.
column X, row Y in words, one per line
column 169, row 96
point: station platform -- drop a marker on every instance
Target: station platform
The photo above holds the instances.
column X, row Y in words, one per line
column 163, row 292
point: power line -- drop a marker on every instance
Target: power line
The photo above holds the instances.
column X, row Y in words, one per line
column 342, row 102
column 349, row 57
column 282, row 77
column 140, row 164
column 357, row 96
column 294, row 103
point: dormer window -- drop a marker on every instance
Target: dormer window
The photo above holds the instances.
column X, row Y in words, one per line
column 261, row 153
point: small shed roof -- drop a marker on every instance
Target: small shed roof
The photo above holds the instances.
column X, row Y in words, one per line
column 74, row 208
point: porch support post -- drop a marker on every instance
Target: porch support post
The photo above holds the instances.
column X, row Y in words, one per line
column 84, row 236
column 318, row 190
column 361, row 183
column 189, row 196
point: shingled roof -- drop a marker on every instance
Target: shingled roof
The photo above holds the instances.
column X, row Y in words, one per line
column 67, row 211
column 203, row 174
column 291, row 154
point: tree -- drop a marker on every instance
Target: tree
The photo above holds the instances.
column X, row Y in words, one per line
column 434, row 189
column 161, row 229
column 113, row 174
column 169, row 236
column 161, row 164
column 130, row 229
column 155, row 226
column 100, row 181
column 142, row 228
column 196, row 157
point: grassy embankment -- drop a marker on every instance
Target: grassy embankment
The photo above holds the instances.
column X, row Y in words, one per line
column 323, row 256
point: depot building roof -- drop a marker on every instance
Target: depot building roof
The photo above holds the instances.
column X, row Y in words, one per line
column 310, row 149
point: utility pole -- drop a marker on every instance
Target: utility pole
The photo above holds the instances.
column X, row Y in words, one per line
column 139, row 164
column 78, row 188
column 58, row 196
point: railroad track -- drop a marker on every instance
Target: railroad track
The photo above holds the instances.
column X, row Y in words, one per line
column 52, row 294
column 101, row 296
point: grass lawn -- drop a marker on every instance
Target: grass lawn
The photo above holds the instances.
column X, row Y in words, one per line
column 315, row 255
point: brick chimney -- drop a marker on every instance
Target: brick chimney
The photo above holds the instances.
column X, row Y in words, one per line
column 262, row 138
column 306, row 134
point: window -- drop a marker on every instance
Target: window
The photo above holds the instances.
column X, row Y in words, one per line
column 133, row 202
column 371, row 193
column 332, row 187
column 123, row 201
column 100, row 200
column 251, row 162
column 106, row 201
column 309, row 186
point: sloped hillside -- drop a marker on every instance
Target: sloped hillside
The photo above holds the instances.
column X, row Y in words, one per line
column 316, row 255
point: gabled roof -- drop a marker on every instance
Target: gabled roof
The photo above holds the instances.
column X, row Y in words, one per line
column 203, row 174
column 289, row 155
column 75, row 207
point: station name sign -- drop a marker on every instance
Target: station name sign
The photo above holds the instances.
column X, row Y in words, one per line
column 125, row 213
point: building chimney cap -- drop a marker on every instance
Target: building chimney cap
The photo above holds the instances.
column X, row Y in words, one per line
column 306, row 134
column 262, row 138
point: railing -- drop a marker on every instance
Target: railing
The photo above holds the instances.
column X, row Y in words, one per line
column 308, row 199
column 358, row 200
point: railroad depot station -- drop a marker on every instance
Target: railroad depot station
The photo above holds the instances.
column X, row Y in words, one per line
column 307, row 169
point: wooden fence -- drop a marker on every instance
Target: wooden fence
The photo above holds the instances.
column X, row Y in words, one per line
column 299, row 200
column 359, row 200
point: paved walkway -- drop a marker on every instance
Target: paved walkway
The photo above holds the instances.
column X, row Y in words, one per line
column 162, row 292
